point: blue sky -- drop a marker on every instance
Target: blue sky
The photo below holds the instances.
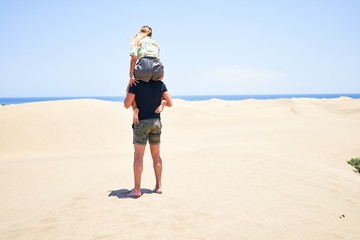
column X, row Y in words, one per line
column 81, row 48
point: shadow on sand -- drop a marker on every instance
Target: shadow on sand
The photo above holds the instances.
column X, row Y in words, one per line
column 121, row 193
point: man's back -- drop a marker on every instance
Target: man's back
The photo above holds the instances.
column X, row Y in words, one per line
column 148, row 96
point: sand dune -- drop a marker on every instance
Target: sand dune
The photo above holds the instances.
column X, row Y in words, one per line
column 251, row 169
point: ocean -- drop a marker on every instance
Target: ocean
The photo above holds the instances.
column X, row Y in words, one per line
column 19, row 100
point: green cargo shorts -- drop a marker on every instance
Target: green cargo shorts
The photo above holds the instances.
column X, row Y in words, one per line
column 148, row 129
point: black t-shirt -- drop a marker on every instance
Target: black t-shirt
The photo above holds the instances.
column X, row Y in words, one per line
column 148, row 96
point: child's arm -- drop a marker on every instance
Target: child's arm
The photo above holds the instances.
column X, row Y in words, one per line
column 132, row 80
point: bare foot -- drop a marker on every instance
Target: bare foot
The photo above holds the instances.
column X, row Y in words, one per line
column 159, row 109
column 158, row 190
column 136, row 116
column 134, row 194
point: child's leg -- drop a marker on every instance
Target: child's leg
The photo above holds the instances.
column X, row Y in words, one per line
column 135, row 113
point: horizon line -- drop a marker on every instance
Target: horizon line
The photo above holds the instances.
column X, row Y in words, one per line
column 185, row 95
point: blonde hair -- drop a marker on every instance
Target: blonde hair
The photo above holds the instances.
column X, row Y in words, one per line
column 145, row 31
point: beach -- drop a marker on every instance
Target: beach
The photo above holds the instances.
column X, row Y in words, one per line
column 249, row 169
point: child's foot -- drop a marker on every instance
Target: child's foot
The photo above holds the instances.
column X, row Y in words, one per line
column 136, row 116
column 159, row 109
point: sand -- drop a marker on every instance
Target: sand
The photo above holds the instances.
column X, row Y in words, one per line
column 250, row 169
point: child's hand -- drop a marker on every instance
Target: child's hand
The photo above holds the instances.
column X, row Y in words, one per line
column 159, row 109
column 133, row 80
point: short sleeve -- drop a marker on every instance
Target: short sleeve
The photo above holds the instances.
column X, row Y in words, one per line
column 134, row 49
column 164, row 89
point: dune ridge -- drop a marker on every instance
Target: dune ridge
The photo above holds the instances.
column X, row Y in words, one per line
column 250, row 169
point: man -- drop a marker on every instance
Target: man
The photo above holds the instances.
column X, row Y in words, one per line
column 151, row 98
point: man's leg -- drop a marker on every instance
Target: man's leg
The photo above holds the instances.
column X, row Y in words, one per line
column 139, row 151
column 157, row 164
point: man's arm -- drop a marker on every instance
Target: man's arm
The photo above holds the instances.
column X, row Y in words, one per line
column 130, row 97
column 166, row 97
